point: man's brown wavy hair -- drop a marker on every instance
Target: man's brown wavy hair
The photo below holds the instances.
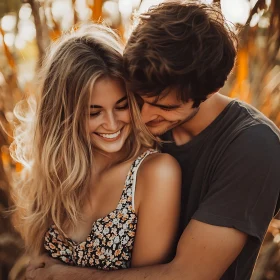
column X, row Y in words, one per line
column 186, row 46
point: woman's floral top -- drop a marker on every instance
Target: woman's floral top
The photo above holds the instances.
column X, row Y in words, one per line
column 110, row 242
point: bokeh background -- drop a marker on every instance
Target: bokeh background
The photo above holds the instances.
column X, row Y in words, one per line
column 27, row 28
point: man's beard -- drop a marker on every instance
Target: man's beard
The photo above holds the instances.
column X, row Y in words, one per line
column 178, row 123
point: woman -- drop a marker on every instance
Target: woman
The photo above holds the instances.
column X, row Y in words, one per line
column 78, row 198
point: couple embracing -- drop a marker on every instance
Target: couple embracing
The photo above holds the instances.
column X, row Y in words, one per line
column 136, row 167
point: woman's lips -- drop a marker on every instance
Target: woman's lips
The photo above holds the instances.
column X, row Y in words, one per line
column 110, row 137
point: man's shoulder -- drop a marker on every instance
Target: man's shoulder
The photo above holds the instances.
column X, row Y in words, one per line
column 241, row 120
column 244, row 132
column 258, row 141
column 254, row 121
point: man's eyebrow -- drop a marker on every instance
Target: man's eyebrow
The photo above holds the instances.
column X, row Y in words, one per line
column 99, row 107
column 164, row 106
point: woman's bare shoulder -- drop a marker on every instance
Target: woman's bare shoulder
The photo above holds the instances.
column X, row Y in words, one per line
column 159, row 164
column 157, row 172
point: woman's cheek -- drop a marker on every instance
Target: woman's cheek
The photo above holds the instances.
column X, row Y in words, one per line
column 127, row 118
column 93, row 124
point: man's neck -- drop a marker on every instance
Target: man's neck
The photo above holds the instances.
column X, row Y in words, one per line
column 208, row 112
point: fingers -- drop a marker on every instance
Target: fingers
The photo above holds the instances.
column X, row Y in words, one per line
column 40, row 268
column 31, row 272
column 34, row 266
column 42, row 261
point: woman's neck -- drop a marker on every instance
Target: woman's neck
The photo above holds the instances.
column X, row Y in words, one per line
column 102, row 161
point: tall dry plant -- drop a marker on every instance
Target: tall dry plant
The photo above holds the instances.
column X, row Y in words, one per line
column 256, row 78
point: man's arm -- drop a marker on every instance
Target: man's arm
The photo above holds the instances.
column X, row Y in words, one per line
column 204, row 252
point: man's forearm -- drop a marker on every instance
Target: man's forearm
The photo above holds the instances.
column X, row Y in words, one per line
column 161, row 272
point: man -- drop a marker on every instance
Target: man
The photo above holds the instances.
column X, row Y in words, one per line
column 177, row 59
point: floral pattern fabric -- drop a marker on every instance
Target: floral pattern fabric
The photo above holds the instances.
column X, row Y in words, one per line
column 110, row 242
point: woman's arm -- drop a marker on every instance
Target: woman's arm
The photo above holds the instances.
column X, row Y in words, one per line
column 157, row 203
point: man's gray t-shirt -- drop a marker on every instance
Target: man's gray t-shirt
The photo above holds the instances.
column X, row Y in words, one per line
column 231, row 178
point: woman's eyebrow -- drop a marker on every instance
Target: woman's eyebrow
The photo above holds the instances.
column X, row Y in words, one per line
column 99, row 107
column 121, row 100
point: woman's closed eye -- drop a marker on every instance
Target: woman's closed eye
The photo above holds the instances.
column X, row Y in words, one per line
column 95, row 114
column 120, row 108
column 124, row 107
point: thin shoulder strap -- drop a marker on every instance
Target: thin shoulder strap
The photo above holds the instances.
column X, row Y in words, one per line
column 134, row 171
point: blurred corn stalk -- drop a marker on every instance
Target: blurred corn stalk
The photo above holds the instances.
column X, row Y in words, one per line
column 256, row 80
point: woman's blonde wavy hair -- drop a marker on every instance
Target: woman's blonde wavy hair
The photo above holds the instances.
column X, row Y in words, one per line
column 51, row 140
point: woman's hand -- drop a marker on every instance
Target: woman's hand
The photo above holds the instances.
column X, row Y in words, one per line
column 43, row 268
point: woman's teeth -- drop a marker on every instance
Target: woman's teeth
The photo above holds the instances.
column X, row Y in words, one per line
column 111, row 135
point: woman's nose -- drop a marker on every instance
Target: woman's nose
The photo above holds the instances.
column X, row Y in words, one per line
column 111, row 123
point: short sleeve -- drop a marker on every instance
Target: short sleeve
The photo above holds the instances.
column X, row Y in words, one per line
column 244, row 191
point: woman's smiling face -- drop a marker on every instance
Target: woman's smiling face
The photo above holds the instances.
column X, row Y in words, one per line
column 109, row 122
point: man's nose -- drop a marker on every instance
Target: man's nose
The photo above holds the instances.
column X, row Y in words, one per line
column 147, row 113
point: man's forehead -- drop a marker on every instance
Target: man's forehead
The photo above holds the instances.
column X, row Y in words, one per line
column 162, row 99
